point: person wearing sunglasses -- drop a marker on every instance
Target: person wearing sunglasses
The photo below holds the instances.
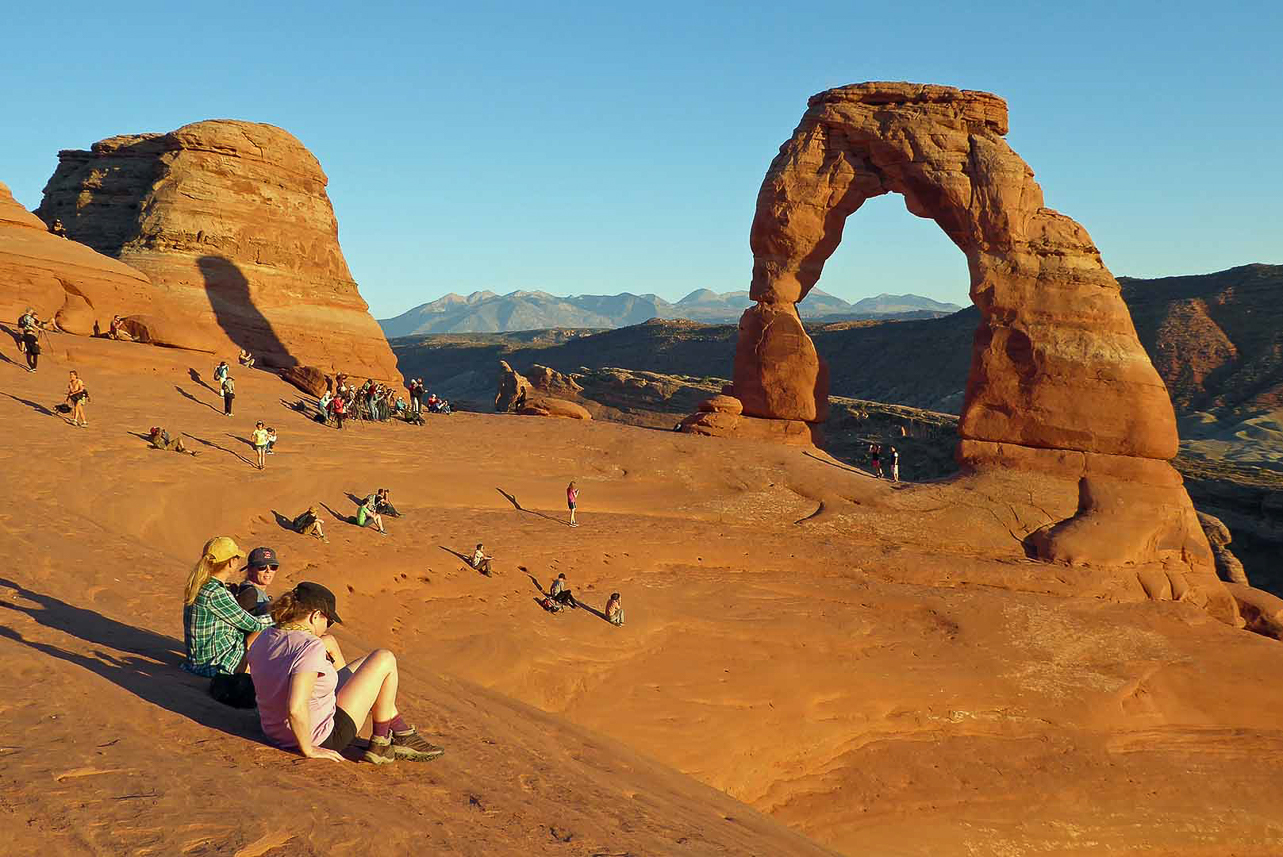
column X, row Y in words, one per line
column 308, row 703
column 260, row 571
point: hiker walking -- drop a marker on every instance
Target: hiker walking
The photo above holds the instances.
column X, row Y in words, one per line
column 76, row 396
column 893, row 459
column 259, row 438
column 29, row 337
column 229, row 393
column 572, row 500
column 338, row 407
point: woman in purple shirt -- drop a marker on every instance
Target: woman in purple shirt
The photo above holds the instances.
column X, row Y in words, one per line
column 309, row 698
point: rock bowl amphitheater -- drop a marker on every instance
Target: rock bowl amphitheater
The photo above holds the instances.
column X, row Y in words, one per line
column 1034, row 657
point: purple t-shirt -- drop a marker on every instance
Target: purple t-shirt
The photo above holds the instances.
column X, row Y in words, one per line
column 277, row 655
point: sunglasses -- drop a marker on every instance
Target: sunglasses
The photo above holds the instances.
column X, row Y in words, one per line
column 266, row 567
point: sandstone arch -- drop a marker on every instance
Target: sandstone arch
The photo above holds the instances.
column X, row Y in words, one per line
column 1059, row 381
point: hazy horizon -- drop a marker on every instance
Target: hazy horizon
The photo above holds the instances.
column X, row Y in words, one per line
column 593, row 150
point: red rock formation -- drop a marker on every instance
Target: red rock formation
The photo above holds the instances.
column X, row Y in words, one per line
column 231, row 222
column 62, row 280
column 1059, row 381
column 514, row 389
column 547, row 406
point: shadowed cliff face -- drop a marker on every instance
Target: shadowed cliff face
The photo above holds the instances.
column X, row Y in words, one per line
column 231, row 219
column 229, row 297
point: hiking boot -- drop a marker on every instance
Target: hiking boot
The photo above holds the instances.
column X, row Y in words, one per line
column 380, row 751
column 411, row 745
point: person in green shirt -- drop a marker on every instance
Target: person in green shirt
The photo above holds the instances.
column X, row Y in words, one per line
column 216, row 630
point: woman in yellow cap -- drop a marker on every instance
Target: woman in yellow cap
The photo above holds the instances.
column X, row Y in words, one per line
column 214, row 625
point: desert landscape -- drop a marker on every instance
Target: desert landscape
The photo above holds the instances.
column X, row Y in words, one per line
column 1026, row 646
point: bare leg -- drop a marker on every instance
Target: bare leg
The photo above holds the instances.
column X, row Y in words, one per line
column 372, row 688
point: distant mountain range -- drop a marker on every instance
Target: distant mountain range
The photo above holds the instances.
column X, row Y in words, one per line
column 487, row 312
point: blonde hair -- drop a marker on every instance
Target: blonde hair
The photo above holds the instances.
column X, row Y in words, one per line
column 205, row 568
column 287, row 609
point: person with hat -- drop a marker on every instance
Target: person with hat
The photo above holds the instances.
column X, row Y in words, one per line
column 214, row 625
column 251, row 593
column 317, row 704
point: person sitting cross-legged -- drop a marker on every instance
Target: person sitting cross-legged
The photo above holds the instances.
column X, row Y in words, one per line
column 313, row 700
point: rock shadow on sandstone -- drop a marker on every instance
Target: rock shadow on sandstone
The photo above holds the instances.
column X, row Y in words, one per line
column 245, row 325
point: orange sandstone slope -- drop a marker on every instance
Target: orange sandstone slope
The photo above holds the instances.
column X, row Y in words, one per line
column 59, row 278
column 879, row 667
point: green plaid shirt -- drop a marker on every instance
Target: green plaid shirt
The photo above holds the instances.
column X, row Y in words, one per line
column 214, row 627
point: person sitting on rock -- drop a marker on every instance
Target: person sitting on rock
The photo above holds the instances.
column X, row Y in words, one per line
column 260, row 570
column 481, row 561
column 271, row 440
column 560, row 592
column 216, row 630
column 367, row 515
column 309, row 524
column 381, row 502
column 56, row 228
column 245, row 359
column 117, row 330
column 160, row 439
column 615, row 610
column 310, row 698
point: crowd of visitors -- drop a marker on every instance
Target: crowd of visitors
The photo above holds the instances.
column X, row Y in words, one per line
column 278, row 650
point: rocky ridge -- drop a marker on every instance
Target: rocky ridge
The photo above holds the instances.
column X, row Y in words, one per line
column 231, row 222
column 62, row 280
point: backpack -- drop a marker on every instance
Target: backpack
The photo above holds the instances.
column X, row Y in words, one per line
column 234, row 690
column 229, row 386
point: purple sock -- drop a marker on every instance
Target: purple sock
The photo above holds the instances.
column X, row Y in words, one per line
column 397, row 724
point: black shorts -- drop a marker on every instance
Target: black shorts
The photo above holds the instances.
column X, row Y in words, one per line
column 343, row 733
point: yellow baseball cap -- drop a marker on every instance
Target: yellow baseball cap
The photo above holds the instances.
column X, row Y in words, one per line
column 222, row 548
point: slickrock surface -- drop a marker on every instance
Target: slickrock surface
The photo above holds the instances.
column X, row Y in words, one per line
column 62, row 280
column 878, row 666
column 1059, row 382
column 231, row 222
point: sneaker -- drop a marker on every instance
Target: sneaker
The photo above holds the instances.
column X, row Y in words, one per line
column 379, row 752
column 411, row 745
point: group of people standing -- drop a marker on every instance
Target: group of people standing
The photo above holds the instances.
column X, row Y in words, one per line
column 878, row 455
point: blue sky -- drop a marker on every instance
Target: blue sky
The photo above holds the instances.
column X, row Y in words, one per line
column 577, row 148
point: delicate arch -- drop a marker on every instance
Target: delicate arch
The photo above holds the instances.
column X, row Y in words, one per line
column 1056, row 363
